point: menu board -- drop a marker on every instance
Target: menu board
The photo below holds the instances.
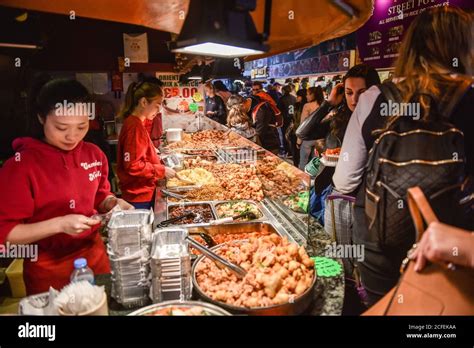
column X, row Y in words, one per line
column 380, row 38
column 183, row 100
column 180, row 99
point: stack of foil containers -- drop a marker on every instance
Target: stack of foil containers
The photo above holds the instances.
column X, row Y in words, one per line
column 170, row 266
column 129, row 247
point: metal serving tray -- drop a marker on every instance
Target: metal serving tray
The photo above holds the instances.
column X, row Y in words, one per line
column 260, row 207
column 243, row 227
column 174, row 204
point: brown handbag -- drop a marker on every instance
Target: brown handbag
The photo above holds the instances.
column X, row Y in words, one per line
column 436, row 290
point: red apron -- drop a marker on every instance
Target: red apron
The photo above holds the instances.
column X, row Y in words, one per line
column 55, row 265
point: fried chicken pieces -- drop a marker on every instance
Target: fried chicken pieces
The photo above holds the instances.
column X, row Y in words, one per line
column 278, row 272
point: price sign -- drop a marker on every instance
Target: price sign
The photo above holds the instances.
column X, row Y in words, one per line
column 180, row 92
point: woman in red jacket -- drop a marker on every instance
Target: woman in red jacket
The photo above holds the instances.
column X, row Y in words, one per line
column 52, row 186
column 138, row 165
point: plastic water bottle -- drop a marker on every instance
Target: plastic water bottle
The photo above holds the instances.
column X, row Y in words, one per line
column 82, row 272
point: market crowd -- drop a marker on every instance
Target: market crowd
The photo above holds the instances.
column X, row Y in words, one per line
column 295, row 121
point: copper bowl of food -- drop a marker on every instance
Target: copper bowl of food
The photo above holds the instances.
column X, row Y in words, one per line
column 280, row 277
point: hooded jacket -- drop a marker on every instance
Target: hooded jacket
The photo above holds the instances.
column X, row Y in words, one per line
column 41, row 182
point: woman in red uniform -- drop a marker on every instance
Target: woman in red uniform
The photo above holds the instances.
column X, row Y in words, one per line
column 51, row 187
column 138, row 165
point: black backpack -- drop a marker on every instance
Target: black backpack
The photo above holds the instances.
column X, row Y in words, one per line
column 428, row 154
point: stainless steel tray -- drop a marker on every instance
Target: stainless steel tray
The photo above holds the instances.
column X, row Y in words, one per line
column 259, row 206
column 242, row 227
column 174, row 204
column 183, row 188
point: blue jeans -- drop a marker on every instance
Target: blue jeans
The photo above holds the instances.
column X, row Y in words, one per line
column 305, row 152
column 281, row 136
column 142, row 205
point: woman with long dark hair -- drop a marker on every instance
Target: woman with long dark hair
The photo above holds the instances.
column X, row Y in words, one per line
column 343, row 99
column 290, row 134
column 332, row 118
column 138, row 166
column 315, row 98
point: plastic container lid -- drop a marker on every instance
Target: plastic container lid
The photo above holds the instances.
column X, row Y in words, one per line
column 80, row 263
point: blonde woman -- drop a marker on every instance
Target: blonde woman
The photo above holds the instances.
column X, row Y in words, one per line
column 237, row 119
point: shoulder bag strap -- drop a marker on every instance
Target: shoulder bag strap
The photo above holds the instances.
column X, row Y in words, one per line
column 421, row 212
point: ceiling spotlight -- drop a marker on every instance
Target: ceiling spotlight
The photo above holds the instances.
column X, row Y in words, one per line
column 219, row 28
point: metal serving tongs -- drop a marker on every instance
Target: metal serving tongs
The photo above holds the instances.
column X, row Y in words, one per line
column 237, row 270
column 173, row 194
column 248, row 214
column 176, row 219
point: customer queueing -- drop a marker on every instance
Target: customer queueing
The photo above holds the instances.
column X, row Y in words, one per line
column 331, row 126
column 315, row 98
column 425, row 75
column 221, row 90
column 273, row 91
column 52, row 187
column 294, row 124
column 263, row 119
column 259, row 92
column 138, row 166
column 286, row 104
column 238, row 120
column 215, row 107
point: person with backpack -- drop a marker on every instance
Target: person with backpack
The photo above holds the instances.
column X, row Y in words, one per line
column 428, row 142
column 257, row 91
column 264, row 122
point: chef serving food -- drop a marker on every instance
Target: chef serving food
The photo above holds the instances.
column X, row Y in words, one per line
column 52, row 186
